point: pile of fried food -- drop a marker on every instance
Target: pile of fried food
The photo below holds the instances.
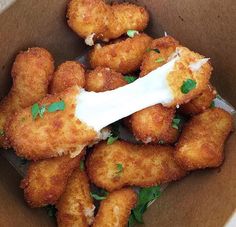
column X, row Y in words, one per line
column 171, row 141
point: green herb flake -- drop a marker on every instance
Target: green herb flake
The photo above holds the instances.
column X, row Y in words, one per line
column 119, row 167
column 130, row 79
column 42, row 110
column 213, row 105
column 161, row 142
column 2, row 133
column 35, row 110
column 81, row 165
column 145, row 196
column 188, row 85
column 51, row 210
column 160, row 60
column 56, row 106
column 132, row 33
column 153, row 49
column 112, row 139
column 102, row 196
column 175, row 123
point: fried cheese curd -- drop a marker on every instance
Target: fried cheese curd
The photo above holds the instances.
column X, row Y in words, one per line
column 124, row 56
column 202, row 140
column 103, row 79
column 75, row 207
column 96, row 19
column 142, row 165
column 116, row 208
column 154, row 124
column 31, row 73
column 72, row 134
column 68, row 74
column 200, row 103
column 46, row 180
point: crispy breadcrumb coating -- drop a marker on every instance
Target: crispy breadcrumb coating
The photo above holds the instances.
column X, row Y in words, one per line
column 115, row 210
column 31, row 74
column 142, row 165
column 75, row 207
column 202, row 141
column 68, row 74
column 104, row 22
column 46, row 180
column 124, row 56
column 55, row 134
column 103, row 79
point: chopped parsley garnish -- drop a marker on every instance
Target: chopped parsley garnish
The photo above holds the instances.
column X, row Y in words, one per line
column 188, row 85
column 175, row 123
column 112, row 139
column 153, row 49
column 161, row 142
column 160, row 60
column 178, row 122
column 56, row 106
column 51, row 210
column 101, row 194
column 37, row 110
column 119, row 168
column 2, row 133
column 213, row 105
column 145, row 196
column 81, row 165
column 130, row 79
column 132, row 33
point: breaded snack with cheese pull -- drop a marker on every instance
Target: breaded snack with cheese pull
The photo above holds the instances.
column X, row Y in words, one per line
column 124, row 164
column 103, row 79
column 31, row 74
column 46, row 180
column 75, row 207
column 124, row 56
column 201, row 144
column 68, row 74
column 98, row 20
column 55, row 134
column 116, row 208
column 200, row 103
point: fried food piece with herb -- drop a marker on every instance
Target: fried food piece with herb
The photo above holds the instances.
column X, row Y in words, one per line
column 101, row 21
column 114, row 166
column 68, row 74
column 103, row 79
column 31, row 73
column 46, row 180
column 201, row 143
column 154, row 124
column 124, row 56
column 61, row 121
column 75, row 207
column 116, row 208
column 200, row 103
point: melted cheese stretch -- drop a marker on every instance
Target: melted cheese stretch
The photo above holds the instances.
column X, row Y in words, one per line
column 98, row 110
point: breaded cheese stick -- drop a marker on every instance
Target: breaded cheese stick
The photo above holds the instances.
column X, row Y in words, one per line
column 31, row 73
column 202, row 141
column 103, row 79
column 116, row 209
column 98, row 20
column 46, row 180
column 81, row 115
column 75, row 207
column 124, row 56
column 200, row 103
column 120, row 164
column 68, row 74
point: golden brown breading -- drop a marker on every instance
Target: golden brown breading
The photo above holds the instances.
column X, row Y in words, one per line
column 95, row 17
column 124, row 56
column 31, row 73
column 46, row 180
column 75, row 207
column 116, row 208
column 166, row 46
column 55, row 134
column 142, row 165
column 201, row 143
column 153, row 124
column 103, row 79
column 200, row 103
column 68, row 74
